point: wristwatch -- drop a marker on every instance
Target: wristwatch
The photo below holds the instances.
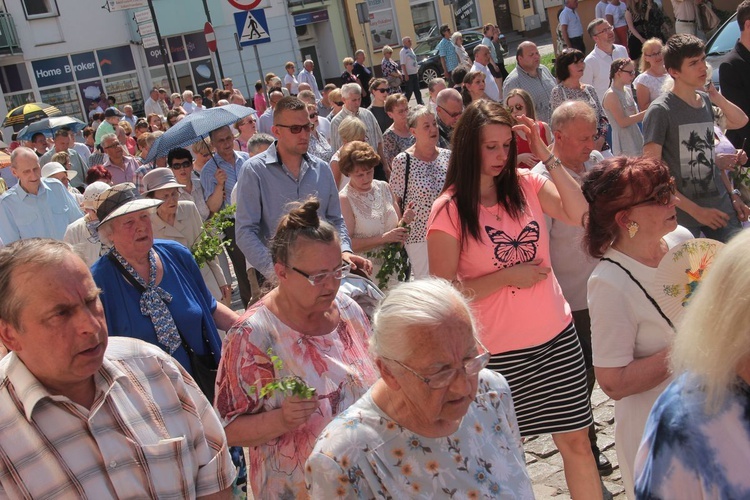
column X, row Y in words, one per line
column 737, row 192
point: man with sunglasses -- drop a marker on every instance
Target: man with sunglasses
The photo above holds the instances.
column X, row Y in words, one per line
column 449, row 107
column 282, row 174
column 679, row 129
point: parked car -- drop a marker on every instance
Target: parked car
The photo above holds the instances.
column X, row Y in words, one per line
column 721, row 43
column 429, row 60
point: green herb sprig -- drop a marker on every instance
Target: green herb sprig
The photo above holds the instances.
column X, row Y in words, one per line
column 209, row 244
column 288, row 386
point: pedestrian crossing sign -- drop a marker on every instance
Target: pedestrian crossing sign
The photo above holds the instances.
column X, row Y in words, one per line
column 252, row 27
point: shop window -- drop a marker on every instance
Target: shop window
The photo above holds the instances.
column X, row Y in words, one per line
column 383, row 24
column 65, row 98
column 36, row 9
column 467, row 14
column 425, row 19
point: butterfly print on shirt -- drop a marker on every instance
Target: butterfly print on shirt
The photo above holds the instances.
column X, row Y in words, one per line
column 510, row 251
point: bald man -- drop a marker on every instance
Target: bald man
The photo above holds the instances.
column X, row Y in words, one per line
column 532, row 77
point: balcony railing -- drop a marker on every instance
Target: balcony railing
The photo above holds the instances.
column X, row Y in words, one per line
column 8, row 36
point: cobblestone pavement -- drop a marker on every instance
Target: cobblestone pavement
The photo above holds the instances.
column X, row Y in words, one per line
column 544, row 462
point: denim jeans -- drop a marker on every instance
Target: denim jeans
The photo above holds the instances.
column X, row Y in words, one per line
column 722, row 234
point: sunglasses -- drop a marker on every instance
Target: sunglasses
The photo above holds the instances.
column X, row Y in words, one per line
column 381, row 90
column 662, row 194
column 452, row 115
column 296, row 129
column 313, row 115
column 341, row 103
column 517, row 107
column 181, row 165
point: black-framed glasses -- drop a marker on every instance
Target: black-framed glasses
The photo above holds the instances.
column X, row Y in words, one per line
column 320, row 278
column 452, row 115
column 662, row 194
column 631, row 72
column 113, row 145
column 296, row 129
column 181, row 165
column 443, row 378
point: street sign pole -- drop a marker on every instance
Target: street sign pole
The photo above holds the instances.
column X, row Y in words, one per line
column 260, row 68
column 162, row 47
column 242, row 62
column 363, row 16
column 218, row 57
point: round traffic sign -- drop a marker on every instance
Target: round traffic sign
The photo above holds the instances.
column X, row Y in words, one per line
column 208, row 31
column 244, row 4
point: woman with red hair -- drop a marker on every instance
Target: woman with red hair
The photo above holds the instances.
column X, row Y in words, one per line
column 631, row 225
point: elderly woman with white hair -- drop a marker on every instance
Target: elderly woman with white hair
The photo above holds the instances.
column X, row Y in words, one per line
column 697, row 439
column 457, row 39
column 435, row 422
column 83, row 234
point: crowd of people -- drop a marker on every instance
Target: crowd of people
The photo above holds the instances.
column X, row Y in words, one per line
column 515, row 223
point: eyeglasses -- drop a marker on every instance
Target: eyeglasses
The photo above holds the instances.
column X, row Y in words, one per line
column 113, row 145
column 443, row 378
column 313, row 115
column 318, row 279
column 452, row 115
column 381, row 90
column 655, row 54
column 605, row 30
column 517, row 107
column 296, row 129
column 631, row 72
column 662, row 194
column 181, row 165
column 341, row 103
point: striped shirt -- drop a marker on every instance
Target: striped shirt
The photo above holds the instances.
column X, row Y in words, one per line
column 208, row 181
column 149, row 433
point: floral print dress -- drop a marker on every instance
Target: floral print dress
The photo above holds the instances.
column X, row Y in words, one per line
column 335, row 364
column 364, row 454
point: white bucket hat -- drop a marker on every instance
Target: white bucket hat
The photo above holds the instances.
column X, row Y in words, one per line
column 54, row 167
column 160, row 178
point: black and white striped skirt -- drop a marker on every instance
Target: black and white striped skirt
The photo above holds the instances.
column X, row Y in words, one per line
column 548, row 385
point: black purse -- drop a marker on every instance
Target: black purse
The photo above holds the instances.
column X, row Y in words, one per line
column 203, row 366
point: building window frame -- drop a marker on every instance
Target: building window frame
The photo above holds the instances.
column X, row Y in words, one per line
column 387, row 34
column 50, row 6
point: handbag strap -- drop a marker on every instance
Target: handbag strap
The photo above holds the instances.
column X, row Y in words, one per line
column 141, row 289
column 406, row 181
column 648, row 296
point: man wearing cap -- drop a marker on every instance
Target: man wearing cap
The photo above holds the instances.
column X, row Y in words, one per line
column 82, row 233
column 77, row 164
column 285, row 173
column 35, row 207
column 85, row 415
column 109, row 125
column 120, row 166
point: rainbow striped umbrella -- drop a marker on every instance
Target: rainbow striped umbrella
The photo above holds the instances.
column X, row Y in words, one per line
column 29, row 113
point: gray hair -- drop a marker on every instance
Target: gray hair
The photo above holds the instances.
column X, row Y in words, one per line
column 479, row 48
column 28, row 255
column 186, row 94
column 360, row 51
column 22, row 151
column 456, row 35
column 416, row 113
column 259, row 139
column 108, row 137
column 435, row 82
column 349, row 89
column 446, row 95
column 417, row 305
column 570, row 111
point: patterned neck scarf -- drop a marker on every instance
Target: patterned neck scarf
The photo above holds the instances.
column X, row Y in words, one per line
column 154, row 302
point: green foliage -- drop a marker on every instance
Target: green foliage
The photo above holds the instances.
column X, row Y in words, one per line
column 209, row 243
column 395, row 262
column 288, row 386
column 741, row 175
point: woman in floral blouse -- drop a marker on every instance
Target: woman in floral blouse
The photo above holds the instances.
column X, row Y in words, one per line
column 391, row 70
column 318, row 334
column 435, row 424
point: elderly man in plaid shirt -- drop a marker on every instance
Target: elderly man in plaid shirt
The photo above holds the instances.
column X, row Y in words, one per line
column 87, row 416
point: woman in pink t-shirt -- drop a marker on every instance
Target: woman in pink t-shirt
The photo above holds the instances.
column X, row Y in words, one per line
column 487, row 234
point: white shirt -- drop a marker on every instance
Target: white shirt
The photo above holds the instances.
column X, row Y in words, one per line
column 490, row 85
column 189, row 107
column 309, row 78
column 570, row 18
column 152, row 106
column 408, row 58
column 324, row 127
column 600, row 9
column 598, row 63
